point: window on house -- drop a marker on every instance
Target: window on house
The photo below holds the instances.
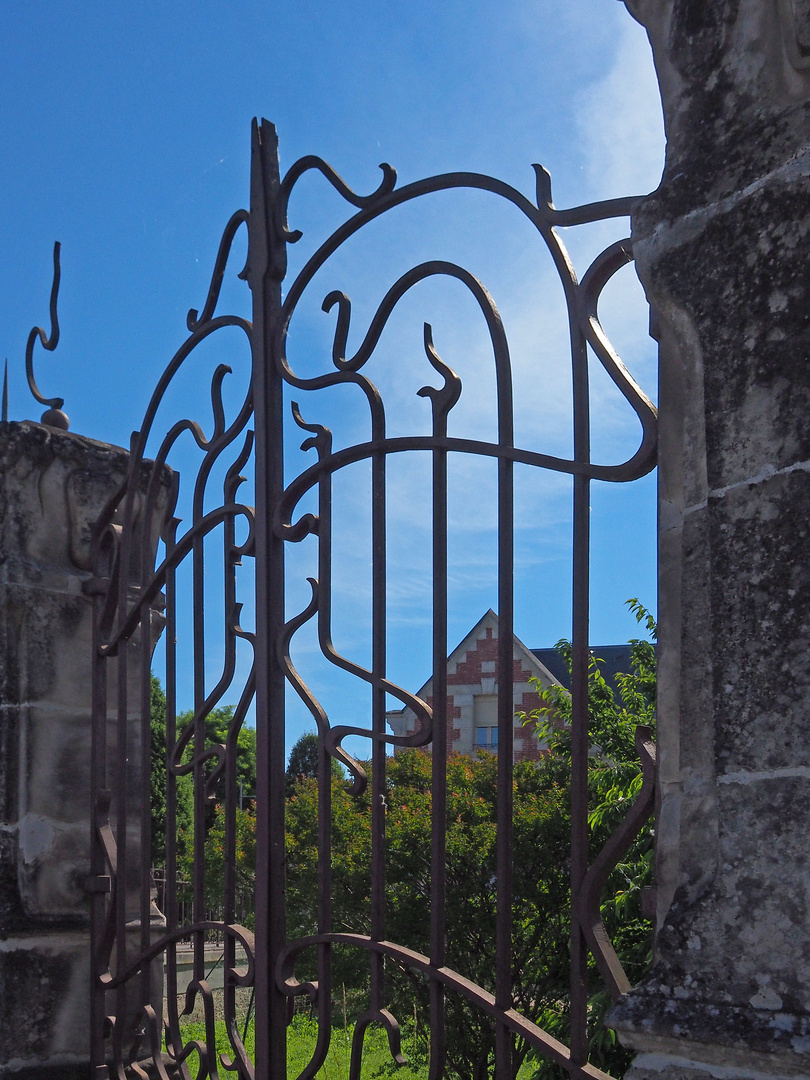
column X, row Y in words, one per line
column 486, row 738
column 485, row 716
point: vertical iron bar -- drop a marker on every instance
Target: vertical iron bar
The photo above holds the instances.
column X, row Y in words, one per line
column 324, row 794
column 170, row 873
column 98, row 868
column 231, row 794
column 145, row 772
column 378, row 667
column 506, row 708
column 121, row 838
column 198, row 630
column 506, row 724
column 266, row 267
column 441, row 722
column 579, row 694
column 123, row 751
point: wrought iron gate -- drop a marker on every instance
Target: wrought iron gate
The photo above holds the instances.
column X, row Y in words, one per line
column 137, row 933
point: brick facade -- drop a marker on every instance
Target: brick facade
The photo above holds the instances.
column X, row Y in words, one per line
column 472, row 686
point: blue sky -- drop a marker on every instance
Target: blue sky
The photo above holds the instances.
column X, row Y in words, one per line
column 125, row 133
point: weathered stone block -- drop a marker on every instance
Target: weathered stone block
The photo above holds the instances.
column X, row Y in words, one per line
column 721, row 250
column 45, row 994
column 761, row 615
column 53, row 486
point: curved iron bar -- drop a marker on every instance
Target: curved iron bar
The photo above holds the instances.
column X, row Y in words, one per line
column 212, row 447
column 193, row 1046
column 593, row 886
column 334, row 735
column 121, row 542
column 322, row 442
column 151, row 590
column 392, row 1030
column 596, row 277
column 581, row 299
column 220, row 439
column 544, row 215
column 232, row 612
column 534, row 1035
column 202, row 988
column 363, row 451
column 153, row 1033
column 305, row 164
column 445, row 397
column 141, row 436
column 193, row 321
column 434, row 268
column 305, row 694
column 54, row 416
column 241, row 976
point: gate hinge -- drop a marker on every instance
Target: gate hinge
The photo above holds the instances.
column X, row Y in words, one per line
column 96, row 586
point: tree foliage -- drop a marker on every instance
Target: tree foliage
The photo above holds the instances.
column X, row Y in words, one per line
column 217, row 724
column 303, row 762
column 157, row 782
column 614, row 781
column 541, row 846
column 541, row 842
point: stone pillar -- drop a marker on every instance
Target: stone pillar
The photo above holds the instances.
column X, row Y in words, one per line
column 722, row 250
column 52, row 487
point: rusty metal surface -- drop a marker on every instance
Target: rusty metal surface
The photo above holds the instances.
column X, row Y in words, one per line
column 131, row 592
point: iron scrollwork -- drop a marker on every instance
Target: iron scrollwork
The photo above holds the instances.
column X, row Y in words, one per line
column 137, row 1031
column 142, row 513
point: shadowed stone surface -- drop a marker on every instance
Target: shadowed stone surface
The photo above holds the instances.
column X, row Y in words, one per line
column 52, row 487
column 721, row 248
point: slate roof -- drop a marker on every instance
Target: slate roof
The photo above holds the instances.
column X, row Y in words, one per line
column 614, row 660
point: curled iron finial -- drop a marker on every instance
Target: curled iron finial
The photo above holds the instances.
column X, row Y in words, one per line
column 53, row 416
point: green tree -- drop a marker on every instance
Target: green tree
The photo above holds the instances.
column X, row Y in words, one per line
column 614, row 781
column 217, row 724
column 541, row 912
column 540, row 845
column 541, row 851
column 303, row 761
column 157, row 780
column 244, row 862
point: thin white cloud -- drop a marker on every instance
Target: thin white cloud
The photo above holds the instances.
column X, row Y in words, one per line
column 620, row 121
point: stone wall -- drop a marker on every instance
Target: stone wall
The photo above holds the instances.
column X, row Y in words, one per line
column 52, row 487
column 721, row 248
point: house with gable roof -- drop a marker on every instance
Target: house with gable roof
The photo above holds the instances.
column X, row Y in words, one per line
column 472, row 692
column 472, row 689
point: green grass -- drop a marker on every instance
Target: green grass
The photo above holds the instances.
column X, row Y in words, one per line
column 301, row 1038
